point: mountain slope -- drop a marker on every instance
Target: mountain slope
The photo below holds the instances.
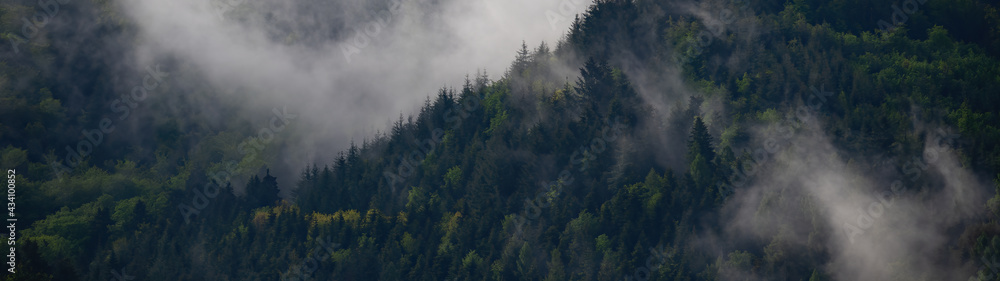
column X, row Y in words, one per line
column 658, row 140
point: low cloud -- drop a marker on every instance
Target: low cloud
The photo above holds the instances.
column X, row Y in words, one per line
column 871, row 222
column 348, row 68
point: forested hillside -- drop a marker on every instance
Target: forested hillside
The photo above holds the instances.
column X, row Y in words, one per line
column 657, row 140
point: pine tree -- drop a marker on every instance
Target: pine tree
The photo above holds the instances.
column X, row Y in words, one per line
column 138, row 216
column 542, row 53
column 525, row 261
column 701, row 159
column 99, row 226
column 521, row 62
column 139, row 211
column 700, row 142
column 556, row 268
column 31, row 265
column 65, row 271
column 269, row 190
column 262, row 191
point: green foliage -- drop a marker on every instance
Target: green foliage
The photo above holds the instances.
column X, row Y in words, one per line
column 13, row 157
column 491, row 200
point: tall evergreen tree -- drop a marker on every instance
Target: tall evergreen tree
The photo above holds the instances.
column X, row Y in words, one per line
column 99, row 227
column 700, row 142
column 262, row 191
column 701, row 159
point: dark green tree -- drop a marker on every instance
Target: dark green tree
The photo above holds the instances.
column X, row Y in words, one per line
column 262, row 191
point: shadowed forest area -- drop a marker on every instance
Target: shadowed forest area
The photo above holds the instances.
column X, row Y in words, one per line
column 655, row 140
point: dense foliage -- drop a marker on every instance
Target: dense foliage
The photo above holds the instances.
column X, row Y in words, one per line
column 527, row 176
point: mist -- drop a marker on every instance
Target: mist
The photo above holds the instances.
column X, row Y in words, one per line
column 874, row 221
column 347, row 69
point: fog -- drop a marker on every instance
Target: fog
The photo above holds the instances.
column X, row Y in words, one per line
column 874, row 221
column 347, row 69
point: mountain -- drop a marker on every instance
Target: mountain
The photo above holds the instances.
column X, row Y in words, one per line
column 656, row 140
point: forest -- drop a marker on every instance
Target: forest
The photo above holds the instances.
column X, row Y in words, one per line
column 655, row 140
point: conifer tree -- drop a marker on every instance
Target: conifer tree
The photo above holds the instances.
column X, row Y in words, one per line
column 700, row 142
